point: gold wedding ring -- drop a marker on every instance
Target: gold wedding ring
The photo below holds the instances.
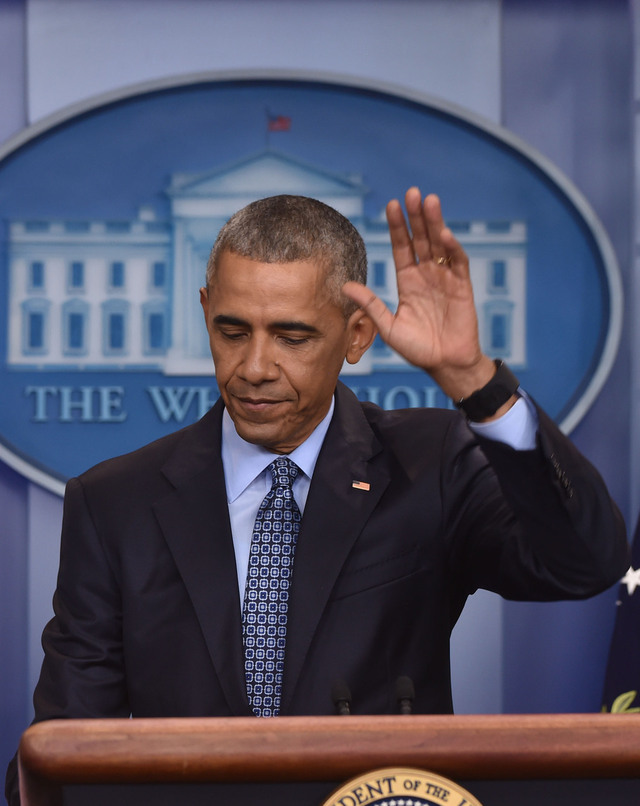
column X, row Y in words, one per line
column 443, row 261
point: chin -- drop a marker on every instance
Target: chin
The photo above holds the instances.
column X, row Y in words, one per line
column 257, row 436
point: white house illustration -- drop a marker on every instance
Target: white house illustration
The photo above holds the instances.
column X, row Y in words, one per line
column 107, row 295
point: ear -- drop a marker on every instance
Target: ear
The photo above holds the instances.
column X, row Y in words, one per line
column 204, row 301
column 361, row 332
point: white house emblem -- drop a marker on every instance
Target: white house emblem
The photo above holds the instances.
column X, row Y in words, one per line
column 102, row 343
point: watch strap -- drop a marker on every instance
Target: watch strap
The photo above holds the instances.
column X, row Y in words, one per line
column 485, row 402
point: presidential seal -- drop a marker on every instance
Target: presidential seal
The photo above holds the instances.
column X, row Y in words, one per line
column 401, row 786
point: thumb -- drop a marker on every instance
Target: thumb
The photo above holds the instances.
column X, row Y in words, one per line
column 375, row 308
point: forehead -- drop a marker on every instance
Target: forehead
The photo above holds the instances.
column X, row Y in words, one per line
column 301, row 282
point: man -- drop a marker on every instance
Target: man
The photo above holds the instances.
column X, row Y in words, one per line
column 397, row 518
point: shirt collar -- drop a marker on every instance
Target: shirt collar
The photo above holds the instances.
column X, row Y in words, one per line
column 244, row 461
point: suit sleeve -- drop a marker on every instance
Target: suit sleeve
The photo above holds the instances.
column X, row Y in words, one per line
column 548, row 529
column 83, row 671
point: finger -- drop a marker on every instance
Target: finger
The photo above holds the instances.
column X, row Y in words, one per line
column 446, row 249
column 456, row 257
column 434, row 223
column 401, row 243
column 365, row 298
column 421, row 239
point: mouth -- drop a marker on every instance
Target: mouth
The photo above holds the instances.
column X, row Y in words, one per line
column 257, row 405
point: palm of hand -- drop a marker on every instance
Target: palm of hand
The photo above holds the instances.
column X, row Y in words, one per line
column 435, row 321
column 435, row 325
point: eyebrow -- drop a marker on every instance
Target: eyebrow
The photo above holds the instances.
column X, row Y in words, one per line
column 293, row 325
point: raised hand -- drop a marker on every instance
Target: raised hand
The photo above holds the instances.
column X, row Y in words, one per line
column 435, row 325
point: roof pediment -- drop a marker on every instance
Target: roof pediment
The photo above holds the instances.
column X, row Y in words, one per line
column 265, row 174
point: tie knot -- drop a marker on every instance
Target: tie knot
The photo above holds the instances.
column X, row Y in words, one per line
column 283, row 471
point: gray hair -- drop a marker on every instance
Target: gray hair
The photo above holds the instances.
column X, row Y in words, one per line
column 283, row 229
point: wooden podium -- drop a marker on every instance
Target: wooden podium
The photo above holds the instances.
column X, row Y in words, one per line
column 300, row 760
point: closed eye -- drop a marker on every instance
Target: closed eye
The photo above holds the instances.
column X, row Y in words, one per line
column 232, row 335
column 295, row 333
column 294, row 341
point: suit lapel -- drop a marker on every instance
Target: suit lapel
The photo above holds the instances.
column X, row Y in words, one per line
column 334, row 516
column 194, row 519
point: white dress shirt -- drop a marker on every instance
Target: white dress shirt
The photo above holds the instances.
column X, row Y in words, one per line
column 247, row 480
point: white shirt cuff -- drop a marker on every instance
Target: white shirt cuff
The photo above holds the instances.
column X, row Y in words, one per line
column 517, row 428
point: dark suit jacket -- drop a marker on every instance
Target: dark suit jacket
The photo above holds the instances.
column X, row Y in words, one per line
column 147, row 607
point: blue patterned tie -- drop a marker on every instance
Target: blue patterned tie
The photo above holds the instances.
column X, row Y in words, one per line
column 264, row 617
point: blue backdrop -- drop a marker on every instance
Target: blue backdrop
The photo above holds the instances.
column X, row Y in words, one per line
column 566, row 89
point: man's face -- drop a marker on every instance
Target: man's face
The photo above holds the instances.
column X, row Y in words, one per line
column 278, row 343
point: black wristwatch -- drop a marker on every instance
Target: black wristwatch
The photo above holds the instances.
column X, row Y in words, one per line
column 485, row 402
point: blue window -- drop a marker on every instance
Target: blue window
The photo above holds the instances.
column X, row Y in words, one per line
column 36, row 275
column 35, row 325
column 499, row 331
column 459, row 227
column 155, row 323
column 118, row 226
column 77, row 226
column 36, row 226
column 379, row 273
column 497, row 327
column 74, row 327
column 76, row 331
column 156, row 331
column 116, row 331
column 117, row 274
column 76, row 275
column 159, row 274
column 498, row 227
column 497, row 277
column 115, row 327
column 35, row 331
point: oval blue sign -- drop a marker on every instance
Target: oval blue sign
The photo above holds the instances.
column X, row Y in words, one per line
column 108, row 213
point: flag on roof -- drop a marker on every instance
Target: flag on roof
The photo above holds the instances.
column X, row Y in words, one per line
column 278, row 123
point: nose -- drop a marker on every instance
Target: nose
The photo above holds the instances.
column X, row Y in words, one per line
column 259, row 364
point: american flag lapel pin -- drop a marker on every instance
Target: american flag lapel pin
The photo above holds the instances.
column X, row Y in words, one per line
column 361, row 485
